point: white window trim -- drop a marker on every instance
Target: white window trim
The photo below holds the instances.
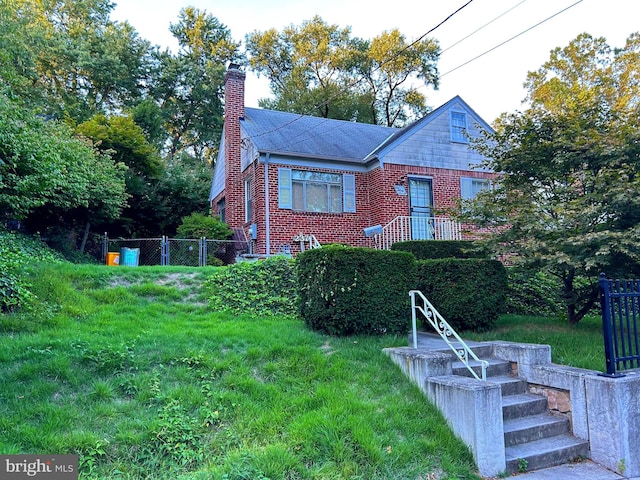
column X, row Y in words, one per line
column 466, row 186
column 454, row 137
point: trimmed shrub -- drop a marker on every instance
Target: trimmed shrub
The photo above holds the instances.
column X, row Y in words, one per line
column 433, row 249
column 353, row 291
column 265, row 287
column 468, row 293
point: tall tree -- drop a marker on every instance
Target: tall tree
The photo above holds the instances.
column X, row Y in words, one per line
column 567, row 200
column 71, row 58
column 189, row 85
column 392, row 68
column 119, row 136
column 320, row 69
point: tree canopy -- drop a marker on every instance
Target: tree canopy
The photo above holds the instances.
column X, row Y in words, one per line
column 567, row 200
column 48, row 176
column 320, row 69
column 189, row 84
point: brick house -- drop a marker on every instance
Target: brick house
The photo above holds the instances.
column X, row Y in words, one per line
column 285, row 181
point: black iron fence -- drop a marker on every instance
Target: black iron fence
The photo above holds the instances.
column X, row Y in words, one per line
column 170, row 251
column 620, row 301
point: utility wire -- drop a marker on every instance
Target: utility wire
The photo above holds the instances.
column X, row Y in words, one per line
column 415, row 42
column 400, row 52
column 483, row 26
column 510, row 39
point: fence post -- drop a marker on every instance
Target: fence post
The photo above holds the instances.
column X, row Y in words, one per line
column 164, row 251
column 202, row 261
column 105, row 247
column 605, row 286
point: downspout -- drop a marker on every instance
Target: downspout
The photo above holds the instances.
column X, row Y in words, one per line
column 266, row 205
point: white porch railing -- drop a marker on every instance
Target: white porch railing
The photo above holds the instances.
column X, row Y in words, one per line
column 307, row 242
column 401, row 229
column 446, row 331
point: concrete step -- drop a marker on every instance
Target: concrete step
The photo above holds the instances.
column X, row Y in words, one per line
column 522, row 405
column 482, row 351
column 533, row 428
column 496, row 368
column 545, row 453
column 510, row 385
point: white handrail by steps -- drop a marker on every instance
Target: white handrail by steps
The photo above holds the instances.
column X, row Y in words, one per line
column 437, row 321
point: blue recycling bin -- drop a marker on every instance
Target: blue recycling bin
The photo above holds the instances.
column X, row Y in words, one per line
column 129, row 257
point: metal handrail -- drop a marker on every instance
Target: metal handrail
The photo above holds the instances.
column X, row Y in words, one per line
column 437, row 321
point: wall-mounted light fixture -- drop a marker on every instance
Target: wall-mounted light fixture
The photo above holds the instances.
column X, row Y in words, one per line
column 374, row 230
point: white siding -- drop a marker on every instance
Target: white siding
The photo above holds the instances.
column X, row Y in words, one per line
column 431, row 145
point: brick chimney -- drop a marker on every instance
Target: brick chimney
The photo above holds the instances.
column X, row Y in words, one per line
column 233, row 113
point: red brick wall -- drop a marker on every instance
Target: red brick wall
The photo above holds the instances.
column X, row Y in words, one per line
column 376, row 203
column 285, row 224
column 234, row 111
column 386, row 204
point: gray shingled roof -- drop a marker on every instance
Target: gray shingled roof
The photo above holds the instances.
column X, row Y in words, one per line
column 305, row 136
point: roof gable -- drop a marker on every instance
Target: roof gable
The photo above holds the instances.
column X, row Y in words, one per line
column 455, row 104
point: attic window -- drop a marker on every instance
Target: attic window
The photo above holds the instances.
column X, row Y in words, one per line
column 459, row 127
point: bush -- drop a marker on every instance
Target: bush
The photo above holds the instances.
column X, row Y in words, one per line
column 468, row 293
column 352, row 291
column 265, row 287
column 16, row 252
column 198, row 225
column 433, row 249
column 534, row 292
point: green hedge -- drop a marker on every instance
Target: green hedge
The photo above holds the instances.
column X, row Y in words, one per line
column 350, row 291
column 468, row 293
column 433, row 249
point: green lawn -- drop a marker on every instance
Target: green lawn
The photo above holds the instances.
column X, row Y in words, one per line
column 580, row 345
column 128, row 368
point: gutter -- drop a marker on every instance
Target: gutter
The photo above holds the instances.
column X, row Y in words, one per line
column 266, row 205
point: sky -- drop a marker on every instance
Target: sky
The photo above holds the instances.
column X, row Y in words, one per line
column 491, row 84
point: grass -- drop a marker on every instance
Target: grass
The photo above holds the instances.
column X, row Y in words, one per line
column 578, row 345
column 130, row 369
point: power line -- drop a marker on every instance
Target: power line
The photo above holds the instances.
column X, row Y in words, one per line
column 483, row 26
column 400, row 52
column 415, row 42
column 510, row 39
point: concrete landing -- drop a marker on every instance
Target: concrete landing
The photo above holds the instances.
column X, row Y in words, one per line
column 586, row 470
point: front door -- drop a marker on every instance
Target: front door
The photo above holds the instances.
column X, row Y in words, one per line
column 420, row 204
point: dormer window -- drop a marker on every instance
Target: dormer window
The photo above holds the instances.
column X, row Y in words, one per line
column 459, row 127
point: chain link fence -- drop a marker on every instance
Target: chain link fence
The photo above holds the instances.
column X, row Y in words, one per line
column 170, row 251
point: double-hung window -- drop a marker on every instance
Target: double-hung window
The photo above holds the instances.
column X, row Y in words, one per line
column 459, row 127
column 222, row 209
column 310, row 191
column 248, row 200
column 471, row 187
